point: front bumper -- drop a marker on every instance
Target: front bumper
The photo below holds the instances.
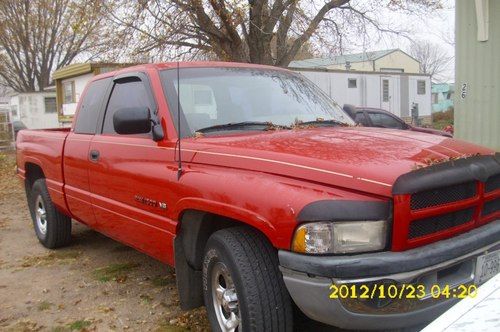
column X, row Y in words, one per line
column 448, row 262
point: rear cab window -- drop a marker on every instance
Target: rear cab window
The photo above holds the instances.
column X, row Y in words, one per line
column 361, row 119
column 88, row 114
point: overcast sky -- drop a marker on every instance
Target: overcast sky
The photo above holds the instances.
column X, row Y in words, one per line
column 438, row 28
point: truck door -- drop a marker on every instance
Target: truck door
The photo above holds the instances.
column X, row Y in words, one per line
column 131, row 175
column 76, row 152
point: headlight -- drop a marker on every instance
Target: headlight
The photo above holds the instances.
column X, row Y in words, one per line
column 340, row 237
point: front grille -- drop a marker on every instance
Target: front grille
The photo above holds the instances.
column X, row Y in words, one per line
column 491, row 207
column 445, row 195
column 493, row 183
column 435, row 224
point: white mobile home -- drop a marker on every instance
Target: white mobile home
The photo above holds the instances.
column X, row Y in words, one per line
column 36, row 110
column 6, row 129
column 394, row 92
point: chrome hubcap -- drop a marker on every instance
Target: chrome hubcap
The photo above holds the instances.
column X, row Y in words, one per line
column 41, row 215
column 225, row 298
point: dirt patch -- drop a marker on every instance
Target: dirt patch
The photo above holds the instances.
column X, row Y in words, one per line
column 94, row 284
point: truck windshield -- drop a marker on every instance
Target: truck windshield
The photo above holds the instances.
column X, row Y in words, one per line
column 213, row 99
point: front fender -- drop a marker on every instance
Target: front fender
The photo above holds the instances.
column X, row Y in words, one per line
column 226, row 210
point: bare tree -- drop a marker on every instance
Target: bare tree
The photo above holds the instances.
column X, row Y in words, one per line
column 39, row 36
column 434, row 60
column 257, row 31
column 4, row 91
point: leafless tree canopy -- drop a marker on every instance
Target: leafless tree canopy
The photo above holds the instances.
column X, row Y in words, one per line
column 433, row 59
column 257, row 31
column 39, row 36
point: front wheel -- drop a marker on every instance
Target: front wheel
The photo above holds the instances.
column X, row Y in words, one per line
column 243, row 287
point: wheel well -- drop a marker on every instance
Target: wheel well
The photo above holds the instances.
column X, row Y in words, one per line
column 189, row 245
column 33, row 173
column 196, row 228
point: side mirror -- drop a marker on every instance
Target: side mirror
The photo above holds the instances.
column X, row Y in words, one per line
column 132, row 120
column 350, row 110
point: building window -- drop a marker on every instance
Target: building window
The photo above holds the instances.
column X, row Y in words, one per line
column 421, row 87
column 69, row 92
column 13, row 110
column 435, row 98
column 385, row 90
column 352, row 83
column 50, row 105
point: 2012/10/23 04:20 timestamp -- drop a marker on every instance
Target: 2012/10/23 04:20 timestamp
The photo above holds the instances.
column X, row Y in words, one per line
column 402, row 291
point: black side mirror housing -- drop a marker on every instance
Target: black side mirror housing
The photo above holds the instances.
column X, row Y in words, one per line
column 137, row 120
column 350, row 110
column 158, row 134
column 132, row 120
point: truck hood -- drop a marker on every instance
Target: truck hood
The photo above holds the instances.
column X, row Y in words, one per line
column 357, row 158
column 431, row 131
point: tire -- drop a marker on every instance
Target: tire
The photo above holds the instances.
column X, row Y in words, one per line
column 52, row 228
column 243, row 265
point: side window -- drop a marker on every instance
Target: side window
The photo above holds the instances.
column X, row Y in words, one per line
column 88, row 114
column 50, row 104
column 69, row 92
column 125, row 94
column 384, row 120
column 361, row 119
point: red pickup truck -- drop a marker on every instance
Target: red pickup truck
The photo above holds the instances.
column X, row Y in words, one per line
column 263, row 194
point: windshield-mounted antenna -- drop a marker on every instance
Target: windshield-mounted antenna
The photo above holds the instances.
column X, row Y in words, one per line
column 179, row 161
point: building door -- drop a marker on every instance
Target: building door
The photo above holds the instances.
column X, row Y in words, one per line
column 386, row 91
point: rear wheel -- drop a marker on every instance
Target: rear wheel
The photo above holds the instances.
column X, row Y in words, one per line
column 52, row 228
column 243, row 287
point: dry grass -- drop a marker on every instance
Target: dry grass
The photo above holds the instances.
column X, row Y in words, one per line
column 115, row 272
column 55, row 257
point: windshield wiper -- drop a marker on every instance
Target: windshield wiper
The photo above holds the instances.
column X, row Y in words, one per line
column 323, row 123
column 237, row 125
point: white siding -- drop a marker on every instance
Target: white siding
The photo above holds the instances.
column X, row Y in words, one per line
column 31, row 110
column 368, row 92
column 424, row 101
column 14, row 108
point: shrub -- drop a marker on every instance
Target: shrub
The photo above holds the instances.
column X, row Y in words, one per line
column 443, row 119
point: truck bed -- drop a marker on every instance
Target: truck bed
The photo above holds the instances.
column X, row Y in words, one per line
column 44, row 147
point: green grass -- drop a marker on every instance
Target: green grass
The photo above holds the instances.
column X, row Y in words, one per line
column 146, row 298
column 116, row 272
column 44, row 305
column 161, row 281
column 79, row 325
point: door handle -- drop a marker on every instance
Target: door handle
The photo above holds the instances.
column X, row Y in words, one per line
column 94, row 155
